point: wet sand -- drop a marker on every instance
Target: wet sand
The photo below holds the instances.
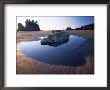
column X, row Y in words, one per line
column 26, row 65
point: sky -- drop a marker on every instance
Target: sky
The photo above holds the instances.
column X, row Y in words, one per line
column 57, row 22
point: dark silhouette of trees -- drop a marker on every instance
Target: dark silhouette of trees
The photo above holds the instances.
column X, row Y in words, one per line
column 88, row 27
column 30, row 26
column 68, row 28
column 20, row 27
column 85, row 27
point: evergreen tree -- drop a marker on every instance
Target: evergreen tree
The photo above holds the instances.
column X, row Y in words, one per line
column 31, row 25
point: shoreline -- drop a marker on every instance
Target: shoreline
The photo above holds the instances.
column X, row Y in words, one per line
column 26, row 65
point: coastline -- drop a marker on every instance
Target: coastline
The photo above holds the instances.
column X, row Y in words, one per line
column 26, row 65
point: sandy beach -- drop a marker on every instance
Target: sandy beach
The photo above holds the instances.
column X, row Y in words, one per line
column 26, row 65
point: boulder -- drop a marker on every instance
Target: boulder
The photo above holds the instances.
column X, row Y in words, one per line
column 20, row 27
column 56, row 37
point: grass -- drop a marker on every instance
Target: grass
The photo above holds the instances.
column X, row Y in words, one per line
column 26, row 65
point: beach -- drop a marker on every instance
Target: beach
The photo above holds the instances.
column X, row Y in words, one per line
column 27, row 65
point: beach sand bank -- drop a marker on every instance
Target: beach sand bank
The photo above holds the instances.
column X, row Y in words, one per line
column 26, row 65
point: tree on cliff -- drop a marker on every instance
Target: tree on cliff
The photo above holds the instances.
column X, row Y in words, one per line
column 29, row 26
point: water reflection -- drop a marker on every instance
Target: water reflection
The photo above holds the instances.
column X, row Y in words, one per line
column 57, row 44
column 66, row 53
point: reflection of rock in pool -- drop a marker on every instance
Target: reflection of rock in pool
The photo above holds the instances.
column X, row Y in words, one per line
column 57, row 44
column 56, row 37
column 55, row 53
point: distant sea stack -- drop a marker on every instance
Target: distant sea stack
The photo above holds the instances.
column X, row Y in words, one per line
column 29, row 26
column 20, row 27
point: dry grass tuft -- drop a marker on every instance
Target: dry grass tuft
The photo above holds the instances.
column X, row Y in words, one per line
column 26, row 65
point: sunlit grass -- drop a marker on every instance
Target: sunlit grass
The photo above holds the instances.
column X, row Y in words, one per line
column 26, row 65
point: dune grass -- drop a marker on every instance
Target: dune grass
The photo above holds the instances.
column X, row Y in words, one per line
column 26, row 65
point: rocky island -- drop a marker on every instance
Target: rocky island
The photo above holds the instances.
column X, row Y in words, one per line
column 57, row 36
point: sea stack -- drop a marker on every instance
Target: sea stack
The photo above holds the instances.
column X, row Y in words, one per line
column 56, row 37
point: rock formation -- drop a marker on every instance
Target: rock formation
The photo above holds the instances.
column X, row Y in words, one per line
column 56, row 37
column 20, row 27
column 31, row 25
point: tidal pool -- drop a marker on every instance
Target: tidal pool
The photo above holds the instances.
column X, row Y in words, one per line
column 66, row 53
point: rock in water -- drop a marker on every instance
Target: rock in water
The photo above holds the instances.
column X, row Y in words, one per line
column 56, row 37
